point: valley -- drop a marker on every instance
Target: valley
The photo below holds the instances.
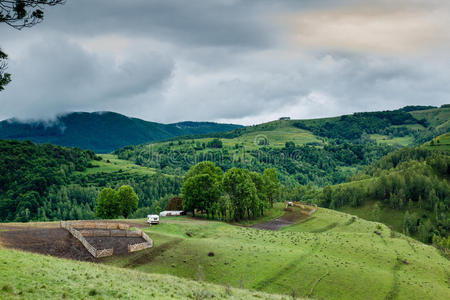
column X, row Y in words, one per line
column 369, row 214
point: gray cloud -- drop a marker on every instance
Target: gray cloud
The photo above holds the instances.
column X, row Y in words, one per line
column 227, row 60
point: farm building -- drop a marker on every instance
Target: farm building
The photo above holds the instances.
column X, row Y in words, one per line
column 167, row 213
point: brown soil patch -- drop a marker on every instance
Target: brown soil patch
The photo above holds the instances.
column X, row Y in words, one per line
column 291, row 216
column 55, row 241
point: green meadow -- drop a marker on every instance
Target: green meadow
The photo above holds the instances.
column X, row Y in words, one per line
column 33, row 276
column 331, row 255
column 111, row 164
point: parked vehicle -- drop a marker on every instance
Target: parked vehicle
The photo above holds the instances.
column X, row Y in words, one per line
column 153, row 219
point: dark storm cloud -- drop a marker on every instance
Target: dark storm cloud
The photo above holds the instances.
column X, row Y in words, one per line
column 231, row 60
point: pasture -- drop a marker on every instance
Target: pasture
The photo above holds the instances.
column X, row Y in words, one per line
column 329, row 255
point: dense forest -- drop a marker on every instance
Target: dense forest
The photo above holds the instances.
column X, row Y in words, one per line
column 353, row 127
column 45, row 182
column 402, row 180
column 102, row 132
column 29, row 171
column 296, row 164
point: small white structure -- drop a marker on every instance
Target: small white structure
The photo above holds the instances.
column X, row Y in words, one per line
column 168, row 213
column 290, row 203
column 153, row 219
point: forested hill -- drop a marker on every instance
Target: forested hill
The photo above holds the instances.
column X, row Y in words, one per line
column 47, row 182
column 408, row 189
column 102, row 132
column 319, row 151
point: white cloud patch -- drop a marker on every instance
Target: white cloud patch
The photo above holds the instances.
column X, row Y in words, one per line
column 233, row 61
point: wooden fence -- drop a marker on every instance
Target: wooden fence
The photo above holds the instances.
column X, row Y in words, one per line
column 91, row 249
column 103, row 229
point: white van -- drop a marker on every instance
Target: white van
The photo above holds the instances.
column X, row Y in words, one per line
column 153, row 219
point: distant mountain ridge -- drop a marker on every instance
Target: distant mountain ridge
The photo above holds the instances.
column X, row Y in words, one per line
column 102, row 132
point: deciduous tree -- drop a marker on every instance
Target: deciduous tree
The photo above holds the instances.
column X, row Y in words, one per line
column 271, row 183
column 128, row 200
column 108, row 205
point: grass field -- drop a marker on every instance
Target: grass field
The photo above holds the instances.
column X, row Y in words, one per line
column 441, row 142
column 110, row 164
column 33, row 276
column 402, row 141
column 386, row 215
column 275, row 136
column 331, row 255
column 438, row 117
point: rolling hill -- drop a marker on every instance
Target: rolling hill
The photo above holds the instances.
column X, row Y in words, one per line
column 330, row 255
column 407, row 189
column 318, row 151
column 102, row 132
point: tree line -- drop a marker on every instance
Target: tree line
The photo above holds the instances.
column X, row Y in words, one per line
column 234, row 195
column 295, row 164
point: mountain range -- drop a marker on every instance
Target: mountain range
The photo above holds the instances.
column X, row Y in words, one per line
column 102, row 132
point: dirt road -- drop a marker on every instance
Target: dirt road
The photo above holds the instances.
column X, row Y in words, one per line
column 291, row 216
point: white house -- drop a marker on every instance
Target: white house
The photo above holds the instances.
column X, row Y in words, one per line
column 167, row 213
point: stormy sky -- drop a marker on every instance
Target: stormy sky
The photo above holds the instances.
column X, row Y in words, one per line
column 236, row 61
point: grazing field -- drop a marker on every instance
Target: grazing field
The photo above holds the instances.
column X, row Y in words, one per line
column 402, row 141
column 385, row 215
column 110, row 164
column 274, row 134
column 437, row 117
column 330, row 255
column 441, row 142
column 34, row 276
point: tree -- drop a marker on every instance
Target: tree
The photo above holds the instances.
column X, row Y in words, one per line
column 215, row 143
column 24, row 13
column 128, row 200
column 242, row 191
column 202, row 187
column 20, row 14
column 262, row 203
column 176, row 203
column 108, row 205
column 271, row 184
column 5, row 78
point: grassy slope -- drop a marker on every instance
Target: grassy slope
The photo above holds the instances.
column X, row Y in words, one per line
column 392, row 217
column 402, row 141
column 441, row 142
column 329, row 255
column 281, row 131
column 116, row 165
column 437, row 117
column 277, row 133
column 33, row 276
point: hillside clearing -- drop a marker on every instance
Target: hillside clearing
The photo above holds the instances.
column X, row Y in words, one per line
column 329, row 255
column 56, row 278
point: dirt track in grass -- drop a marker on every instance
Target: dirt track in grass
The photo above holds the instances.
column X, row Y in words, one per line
column 291, row 216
